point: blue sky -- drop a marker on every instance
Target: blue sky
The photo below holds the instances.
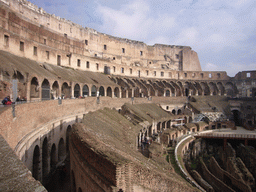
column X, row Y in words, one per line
column 223, row 33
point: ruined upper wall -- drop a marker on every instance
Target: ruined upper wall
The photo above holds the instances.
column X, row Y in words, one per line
column 51, row 39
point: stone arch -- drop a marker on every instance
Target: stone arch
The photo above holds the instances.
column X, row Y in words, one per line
column 61, row 150
column 198, row 88
column 54, row 159
column 36, row 162
column 65, row 91
column 229, row 88
column 94, row 91
column 55, row 90
column 34, row 88
column 45, row 158
column 124, row 92
column 77, row 91
column 221, row 88
column 46, row 90
column 158, row 126
column 181, row 88
column 213, row 88
column 73, row 182
column 205, row 88
column 116, row 92
column 68, row 132
column 174, row 112
column 101, row 91
column 179, row 111
column 137, row 92
column 85, row 91
column 109, row 92
column 168, row 124
column 21, row 86
column 236, row 116
column 167, row 93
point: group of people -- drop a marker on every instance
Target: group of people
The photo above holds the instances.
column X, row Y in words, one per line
column 7, row 100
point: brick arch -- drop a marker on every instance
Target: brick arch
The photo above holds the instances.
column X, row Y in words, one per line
column 205, row 88
column 46, row 90
column 65, row 90
column 77, row 90
column 36, row 162
column 55, row 90
column 85, row 90
column 117, row 92
column 101, row 91
column 34, row 88
column 213, row 88
column 109, row 92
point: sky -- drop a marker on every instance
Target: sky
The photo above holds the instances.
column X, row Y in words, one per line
column 222, row 32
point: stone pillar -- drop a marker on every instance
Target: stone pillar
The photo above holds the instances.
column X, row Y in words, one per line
column 72, row 90
column 132, row 92
column 28, row 91
column 81, row 90
column 113, row 94
column 126, row 93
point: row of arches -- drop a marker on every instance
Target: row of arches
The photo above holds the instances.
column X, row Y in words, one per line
column 49, row 155
column 142, row 87
column 54, row 90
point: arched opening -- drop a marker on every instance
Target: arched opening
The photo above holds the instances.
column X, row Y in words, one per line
column 67, row 138
column 45, row 159
column 36, row 162
column 150, row 131
column 158, row 127
column 61, row 150
column 34, row 88
column 123, row 92
column 77, row 91
column 136, row 92
column 186, row 92
column 167, row 93
column 79, row 189
column 236, row 116
column 168, row 125
column 54, row 160
column 55, row 90
column 101, row 91
column 116, row 92
column 73, row 181
column 65, row 91
column 174, row 112
column 45, row 90
column 94, row 91
column 109, row 92
column 179, row 111
column 85, row 91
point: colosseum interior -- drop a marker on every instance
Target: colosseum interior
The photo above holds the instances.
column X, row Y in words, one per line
column 103, row 113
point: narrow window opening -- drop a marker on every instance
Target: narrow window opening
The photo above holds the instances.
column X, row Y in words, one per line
column 59, row 26
column 154, row 73
column 87, row 64
column 162, row 73
column 147, row 72
column 185, row 74
column 105, row 47
column 97, row 66
column 21, row 46
column 210, row 75
column 141, row 53
column 248, row 74
column 47, row 54
column 58, row 60
column 114, row 68
column 45, row 41
column 123, row 50
column 130, row 71
column 6, row 40
column 78, row 62
column 86, row 42
column 35, row 51
column 65, row 35
column 122, row 70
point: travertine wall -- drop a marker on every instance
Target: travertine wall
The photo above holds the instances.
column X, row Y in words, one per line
column 47, row 38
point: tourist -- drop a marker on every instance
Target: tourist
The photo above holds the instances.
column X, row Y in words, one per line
column 7, row 101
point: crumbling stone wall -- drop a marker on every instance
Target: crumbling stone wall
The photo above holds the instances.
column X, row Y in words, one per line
column 226, row 177
column 217, row 184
